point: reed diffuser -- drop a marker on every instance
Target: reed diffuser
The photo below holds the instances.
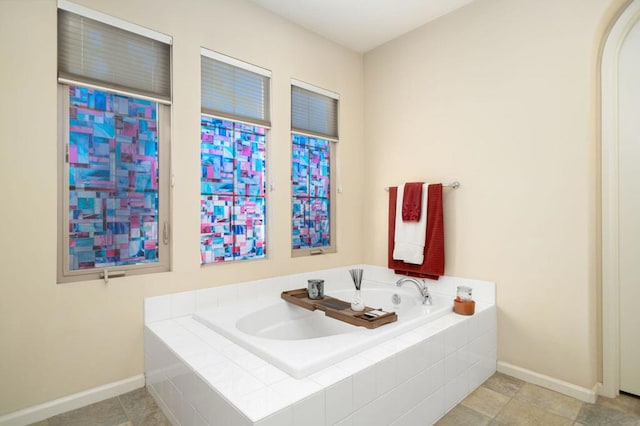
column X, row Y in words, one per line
column 356, row 275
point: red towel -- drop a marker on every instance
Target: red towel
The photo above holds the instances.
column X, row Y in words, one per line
column 412, row 202
column 433, row 265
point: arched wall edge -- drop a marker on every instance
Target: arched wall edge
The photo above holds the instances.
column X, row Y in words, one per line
column 613, row 43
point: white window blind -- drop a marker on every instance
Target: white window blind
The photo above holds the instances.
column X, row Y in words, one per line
column 96, row 53
column 314, row 113
column 234, row 92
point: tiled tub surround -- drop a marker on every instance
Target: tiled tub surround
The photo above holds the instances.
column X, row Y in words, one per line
column 200, row 377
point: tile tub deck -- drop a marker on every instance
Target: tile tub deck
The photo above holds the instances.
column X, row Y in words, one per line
column 199, row 377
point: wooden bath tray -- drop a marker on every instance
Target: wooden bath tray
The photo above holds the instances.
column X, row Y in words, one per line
column 338, row 309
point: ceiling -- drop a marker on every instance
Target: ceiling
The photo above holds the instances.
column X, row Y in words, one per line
column 360, row 25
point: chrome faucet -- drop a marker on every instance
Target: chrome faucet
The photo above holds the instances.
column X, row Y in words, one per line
column 421, row 286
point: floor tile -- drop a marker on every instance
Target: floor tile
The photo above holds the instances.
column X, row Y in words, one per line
column 155, row 418
column 601, row 415
column 522, row 414
column 463, row 416
column 627, row 403
column 503, row 384
column 507, row 400
column 486, row 401
column 549, row 400
column 138, row 403
column 105, row 413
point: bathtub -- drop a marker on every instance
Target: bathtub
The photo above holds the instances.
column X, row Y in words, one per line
column 302, row 342
column 404, row 373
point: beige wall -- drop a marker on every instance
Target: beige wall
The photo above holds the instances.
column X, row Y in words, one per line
column 56, row 340
column 502, row 96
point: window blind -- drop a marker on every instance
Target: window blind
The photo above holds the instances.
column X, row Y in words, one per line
column 93, row 52
column 314, row 113
column 235, row 93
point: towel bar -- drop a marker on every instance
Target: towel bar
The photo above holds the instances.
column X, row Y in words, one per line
column 454, row 185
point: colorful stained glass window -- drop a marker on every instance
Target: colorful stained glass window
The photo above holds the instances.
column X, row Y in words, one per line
column 310, row 175
column 113, row 180
column 232, row 200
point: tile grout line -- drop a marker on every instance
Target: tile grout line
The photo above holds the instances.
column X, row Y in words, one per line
column 493, row 419
column 124, row 410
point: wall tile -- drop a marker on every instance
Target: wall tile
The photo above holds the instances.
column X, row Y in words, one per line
column 436, row 374
column 206, row 298
column 187, row 413
column 339, row 401
column 199, row 420
column 456, row 336
column 183, row 304
column 346, row 421
column 310, row 411
column 412, row 361
column 157, row 308
column 281, row 418
column 386, row 373
column 381, row 411
column 364, row 387
column 294, row 390
column 226, row 294
column 261, row 403
column 330, row 376
column 438, row 350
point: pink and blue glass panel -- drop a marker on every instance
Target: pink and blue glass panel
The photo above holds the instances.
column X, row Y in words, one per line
column 216, row 238
column 113, row 180
column 310, row 189
column 232, row 191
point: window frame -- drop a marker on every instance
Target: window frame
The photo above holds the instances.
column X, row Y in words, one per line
column 333, row 140
column 64, row 273
column 265, row 197
column 332, row 247
column 264, row 122
column 113, row 29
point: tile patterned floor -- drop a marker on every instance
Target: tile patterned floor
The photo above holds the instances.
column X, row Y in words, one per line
column 136, row 408
column 501, row 400
column 504, row 400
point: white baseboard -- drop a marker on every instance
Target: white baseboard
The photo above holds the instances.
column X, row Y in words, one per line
column 71, row 402
column 566, row 388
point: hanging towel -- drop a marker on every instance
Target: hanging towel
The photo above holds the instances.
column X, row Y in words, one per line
column 409, row 237
column 433, row 265
column 412, row 202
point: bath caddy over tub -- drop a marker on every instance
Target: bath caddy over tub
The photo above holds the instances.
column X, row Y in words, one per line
column 337, row 309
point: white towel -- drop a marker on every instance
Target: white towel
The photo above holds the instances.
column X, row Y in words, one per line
column 410, row 237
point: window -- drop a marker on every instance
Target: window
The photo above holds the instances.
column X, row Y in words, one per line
column 311, row 192
column 233, row 139
column 114, row 155
column 314, row 130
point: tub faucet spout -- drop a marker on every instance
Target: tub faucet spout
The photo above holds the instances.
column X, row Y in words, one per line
column 421, row 286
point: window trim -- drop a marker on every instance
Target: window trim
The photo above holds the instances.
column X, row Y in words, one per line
column 217, row 56
column 334, row 173
column 114, row 22
column 64, row 273
column 210, row 57
column 114, row 30
column 266, row 191
column 322, row 92
column 247, row 120
column 333, row 246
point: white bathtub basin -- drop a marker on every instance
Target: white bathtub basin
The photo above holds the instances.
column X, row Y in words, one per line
column 278, row 321
column 302, row 342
